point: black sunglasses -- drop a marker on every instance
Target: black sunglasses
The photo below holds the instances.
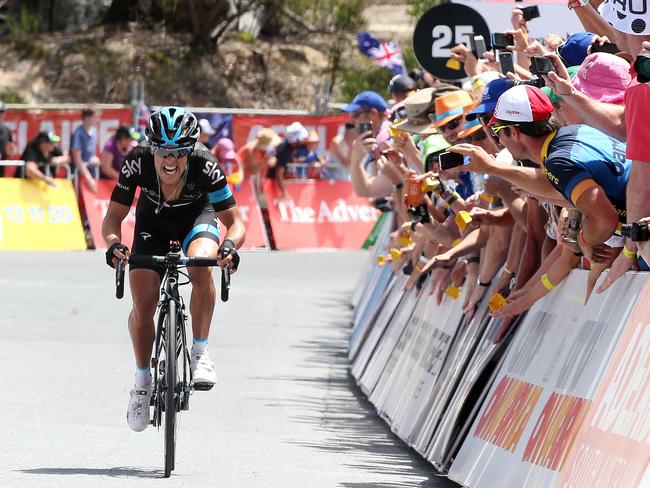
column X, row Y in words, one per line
column 177, row 152
column 479, row 135
column 450, row 125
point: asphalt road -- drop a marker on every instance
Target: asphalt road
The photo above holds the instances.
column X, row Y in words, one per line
column 285, row 412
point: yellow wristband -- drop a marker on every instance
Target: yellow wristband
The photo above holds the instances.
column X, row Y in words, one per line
column 487, row 198
column 628, row 253
column 547, row 283
column 456, row 242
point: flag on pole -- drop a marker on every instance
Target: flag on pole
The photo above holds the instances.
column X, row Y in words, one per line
column 386, row 54
column 143, row 117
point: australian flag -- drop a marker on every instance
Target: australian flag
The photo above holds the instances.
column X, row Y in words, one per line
column 386, row 54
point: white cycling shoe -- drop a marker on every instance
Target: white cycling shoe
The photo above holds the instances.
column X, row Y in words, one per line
column 139, row 411
column 203, row 371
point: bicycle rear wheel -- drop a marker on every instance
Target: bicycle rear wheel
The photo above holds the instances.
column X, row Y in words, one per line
column 170, row 393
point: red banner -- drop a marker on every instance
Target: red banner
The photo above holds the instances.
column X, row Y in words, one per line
column 244, row 127
column 97, row 205
column 321, row 214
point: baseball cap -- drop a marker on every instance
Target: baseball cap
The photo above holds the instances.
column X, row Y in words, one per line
column 550, row 94
column 206, row 128
column 450, row 106
column 603, row 77
column 493, row 90
column 226, row 149
column 522, row 103
column 575, row 49
column 47, row 137
column 401, row 83
column 296, row 132
column 366, row 99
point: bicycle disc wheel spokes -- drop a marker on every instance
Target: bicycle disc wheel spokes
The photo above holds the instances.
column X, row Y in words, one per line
column 170, row 388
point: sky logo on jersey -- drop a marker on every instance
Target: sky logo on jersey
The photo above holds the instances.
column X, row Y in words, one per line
column 213, row 171
column 129, row 168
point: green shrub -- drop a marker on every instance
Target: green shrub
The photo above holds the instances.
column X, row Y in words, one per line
column 11, row 95
column 418, row 7
column 364, row 75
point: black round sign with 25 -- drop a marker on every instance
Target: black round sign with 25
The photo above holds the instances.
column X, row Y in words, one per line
column 442, row 28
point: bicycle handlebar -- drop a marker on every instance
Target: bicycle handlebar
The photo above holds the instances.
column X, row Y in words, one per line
column 171, row 260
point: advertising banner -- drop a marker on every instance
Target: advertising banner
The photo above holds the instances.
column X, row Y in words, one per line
column 319, row 214
column 245, row 127
column 97, row 204
column 524, row 431
column 612, row 447
column 37, row 217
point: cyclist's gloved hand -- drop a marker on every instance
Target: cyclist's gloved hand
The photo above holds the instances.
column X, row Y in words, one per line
column 228, row 248
column 110, row 252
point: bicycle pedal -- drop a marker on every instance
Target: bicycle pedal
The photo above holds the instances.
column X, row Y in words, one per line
column 203, row 386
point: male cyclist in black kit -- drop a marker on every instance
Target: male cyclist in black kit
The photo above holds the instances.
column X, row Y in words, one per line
column 183, row 195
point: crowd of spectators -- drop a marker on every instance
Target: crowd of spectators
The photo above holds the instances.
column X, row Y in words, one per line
column 510, row 180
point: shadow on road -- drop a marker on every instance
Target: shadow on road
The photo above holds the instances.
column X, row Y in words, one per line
column 118, row 472
column 341, row 410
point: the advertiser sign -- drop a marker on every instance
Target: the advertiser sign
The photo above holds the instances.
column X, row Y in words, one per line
column 37, row 217
column 534, row 411
column 439, row 30
column 319, row 214
column 245, row 127
column 97, row 204
column 25, row 124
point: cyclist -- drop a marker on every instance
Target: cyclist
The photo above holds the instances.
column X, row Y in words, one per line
column 183, row 197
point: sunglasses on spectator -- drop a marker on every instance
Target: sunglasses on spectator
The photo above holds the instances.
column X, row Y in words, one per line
column 479, row 135
column 496, row 129
column 177, row 152
column 450, row 125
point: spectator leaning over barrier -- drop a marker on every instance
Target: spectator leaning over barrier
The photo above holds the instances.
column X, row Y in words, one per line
column 400, row 87
column 579, row 165
column 286, row 153
column 115, row 151
column 7, row 146
column 42, row 157
column 258, row 154
column 83, row 145
column 206, row 133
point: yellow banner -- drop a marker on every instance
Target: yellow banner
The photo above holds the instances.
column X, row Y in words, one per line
column 38, row 217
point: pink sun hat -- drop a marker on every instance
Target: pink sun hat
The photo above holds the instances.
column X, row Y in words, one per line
column 603, row 77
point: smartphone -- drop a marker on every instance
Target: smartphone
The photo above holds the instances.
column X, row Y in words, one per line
column 606, row 47
column 365, row 127
column 501, row 40
column 506, row 63
column 539, row 65
column 531, row 12
column 478, row 46
column 450, row 160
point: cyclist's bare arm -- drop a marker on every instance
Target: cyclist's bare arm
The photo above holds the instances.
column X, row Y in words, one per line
column 112, row 223
column 236, row 232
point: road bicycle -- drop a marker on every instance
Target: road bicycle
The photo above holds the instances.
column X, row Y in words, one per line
column 173, row 381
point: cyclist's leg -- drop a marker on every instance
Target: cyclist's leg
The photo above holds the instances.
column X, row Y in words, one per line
column 145, row 284
column 202, row 240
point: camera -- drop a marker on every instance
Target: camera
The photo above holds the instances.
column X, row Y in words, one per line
column 501, row 40
column 642, row 67
column 539, row 65
column 419, row 214
column 478, row 46
column 365, row 127
column 531, row 12
column 636, row 231
column 606, row 47
column 450, row 160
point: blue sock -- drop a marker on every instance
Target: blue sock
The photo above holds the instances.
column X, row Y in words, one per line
column 199, row 345
column 142, row 376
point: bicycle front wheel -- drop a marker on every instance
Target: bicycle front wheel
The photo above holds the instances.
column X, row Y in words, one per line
column 170, row 392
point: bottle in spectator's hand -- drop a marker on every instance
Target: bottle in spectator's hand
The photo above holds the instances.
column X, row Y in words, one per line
column 572, row 226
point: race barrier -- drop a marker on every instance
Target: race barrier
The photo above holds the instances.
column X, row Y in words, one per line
column 96, row 205
column 560, row 401
column 37, row 217
column 318, row 214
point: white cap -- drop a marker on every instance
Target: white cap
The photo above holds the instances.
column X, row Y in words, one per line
column 296, row 132
column 206, row 128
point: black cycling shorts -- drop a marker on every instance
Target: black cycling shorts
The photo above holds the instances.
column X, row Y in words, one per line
column 153, row 233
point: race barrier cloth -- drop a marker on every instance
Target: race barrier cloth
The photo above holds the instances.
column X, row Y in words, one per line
column 319, row 214
column 37, row 217
column 561, row 401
